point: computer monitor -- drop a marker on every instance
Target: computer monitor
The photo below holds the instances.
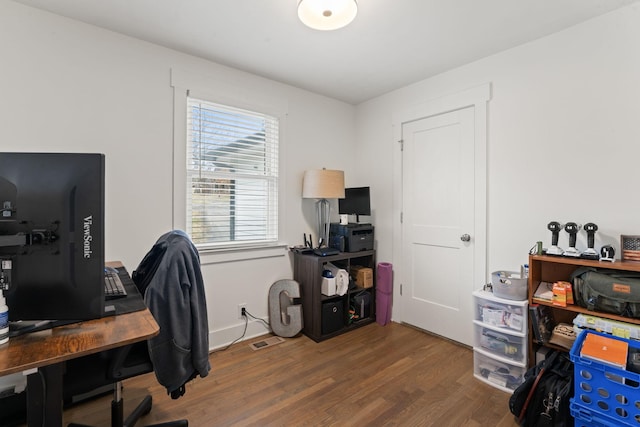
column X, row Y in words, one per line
column 355, row 202
column 52, row 235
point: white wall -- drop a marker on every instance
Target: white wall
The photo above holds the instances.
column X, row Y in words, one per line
column 67, row 86
column 563, row 137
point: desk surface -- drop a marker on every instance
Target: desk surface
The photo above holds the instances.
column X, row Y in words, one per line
column 38, row 349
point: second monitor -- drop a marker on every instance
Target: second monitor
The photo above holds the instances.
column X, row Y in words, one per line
column 356, row 202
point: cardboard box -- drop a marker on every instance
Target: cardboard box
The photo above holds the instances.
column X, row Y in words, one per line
column 363, row 276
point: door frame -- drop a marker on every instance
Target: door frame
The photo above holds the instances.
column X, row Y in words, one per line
column 478, row 98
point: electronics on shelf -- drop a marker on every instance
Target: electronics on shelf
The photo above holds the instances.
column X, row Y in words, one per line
column 356, row 202
column 351, row 237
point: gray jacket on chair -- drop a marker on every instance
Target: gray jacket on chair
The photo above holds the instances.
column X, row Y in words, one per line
column 175, row 296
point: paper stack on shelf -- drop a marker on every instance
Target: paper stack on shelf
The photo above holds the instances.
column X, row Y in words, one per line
column 544, row 291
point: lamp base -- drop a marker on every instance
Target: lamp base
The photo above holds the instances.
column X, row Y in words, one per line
column 323, row 208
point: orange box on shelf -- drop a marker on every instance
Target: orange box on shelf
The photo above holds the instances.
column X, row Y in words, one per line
column 569, row 288
column 559, row 295
column 562, row 293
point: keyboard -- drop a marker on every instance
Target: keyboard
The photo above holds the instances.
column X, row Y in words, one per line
column 113, row 287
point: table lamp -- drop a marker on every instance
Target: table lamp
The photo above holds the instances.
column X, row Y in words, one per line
column 323, row 184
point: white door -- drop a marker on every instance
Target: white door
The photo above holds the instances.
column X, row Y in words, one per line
column 438, row 223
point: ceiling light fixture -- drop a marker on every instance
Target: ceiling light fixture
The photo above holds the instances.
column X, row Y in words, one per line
column 327, row 14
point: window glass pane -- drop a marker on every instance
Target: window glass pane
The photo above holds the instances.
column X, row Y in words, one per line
column 232, row 171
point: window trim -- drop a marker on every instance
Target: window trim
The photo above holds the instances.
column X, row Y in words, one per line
column 218, row 91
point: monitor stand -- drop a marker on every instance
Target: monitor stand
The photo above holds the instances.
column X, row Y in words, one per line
column 21, row 327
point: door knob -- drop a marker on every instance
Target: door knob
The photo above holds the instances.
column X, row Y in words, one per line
column 465, row 238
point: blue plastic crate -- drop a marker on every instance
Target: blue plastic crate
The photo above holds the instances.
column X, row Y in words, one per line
column 604, row 393
column 583, row 417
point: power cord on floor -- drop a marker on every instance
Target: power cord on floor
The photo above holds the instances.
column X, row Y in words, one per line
column 244, row 311
column 246, row 323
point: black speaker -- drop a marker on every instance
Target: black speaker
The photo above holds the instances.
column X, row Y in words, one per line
column 332, row 316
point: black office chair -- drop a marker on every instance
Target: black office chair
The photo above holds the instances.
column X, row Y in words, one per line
column 94, row 372
column 177, row 260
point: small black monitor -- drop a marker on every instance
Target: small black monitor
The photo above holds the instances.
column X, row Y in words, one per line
column 355, row 202
column 52, row 234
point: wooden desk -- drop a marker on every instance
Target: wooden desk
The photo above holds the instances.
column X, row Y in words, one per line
column 47, row 350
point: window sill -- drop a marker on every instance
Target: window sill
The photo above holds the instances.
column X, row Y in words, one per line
column 223, row 255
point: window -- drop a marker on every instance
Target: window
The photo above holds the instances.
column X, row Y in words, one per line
column 232, row 175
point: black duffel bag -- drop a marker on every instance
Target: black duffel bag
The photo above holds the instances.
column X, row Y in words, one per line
column 606, row 290
column 542, row 400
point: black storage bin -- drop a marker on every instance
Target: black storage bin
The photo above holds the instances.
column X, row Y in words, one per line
column 332, row 316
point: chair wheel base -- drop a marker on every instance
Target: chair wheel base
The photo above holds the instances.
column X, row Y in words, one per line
column 141, row 410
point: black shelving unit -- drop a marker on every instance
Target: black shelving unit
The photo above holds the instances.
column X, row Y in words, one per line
column 307, row 272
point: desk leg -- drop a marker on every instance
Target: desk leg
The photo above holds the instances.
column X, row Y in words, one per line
column 44, row 397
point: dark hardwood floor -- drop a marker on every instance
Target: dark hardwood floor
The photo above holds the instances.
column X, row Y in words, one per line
column 374, row 376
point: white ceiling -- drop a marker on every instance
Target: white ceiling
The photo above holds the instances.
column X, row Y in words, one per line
column 390, row 44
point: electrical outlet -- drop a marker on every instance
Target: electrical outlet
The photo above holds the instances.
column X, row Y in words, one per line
column 240, row 307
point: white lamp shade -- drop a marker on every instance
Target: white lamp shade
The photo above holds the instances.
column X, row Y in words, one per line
column 327, row 14
column 323, row 184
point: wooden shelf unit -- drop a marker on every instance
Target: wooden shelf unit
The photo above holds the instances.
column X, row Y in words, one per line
column 547, row 268
column 307, row 272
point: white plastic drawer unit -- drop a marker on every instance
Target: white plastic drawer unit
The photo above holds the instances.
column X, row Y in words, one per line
column 501, row 313
column 500, row 374
column 500, row 350
column 501, row 345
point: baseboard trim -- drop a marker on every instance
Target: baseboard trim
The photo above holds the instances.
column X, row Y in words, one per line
column 223, row 337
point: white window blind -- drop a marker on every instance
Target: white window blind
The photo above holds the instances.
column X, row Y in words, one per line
column 232, row 175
